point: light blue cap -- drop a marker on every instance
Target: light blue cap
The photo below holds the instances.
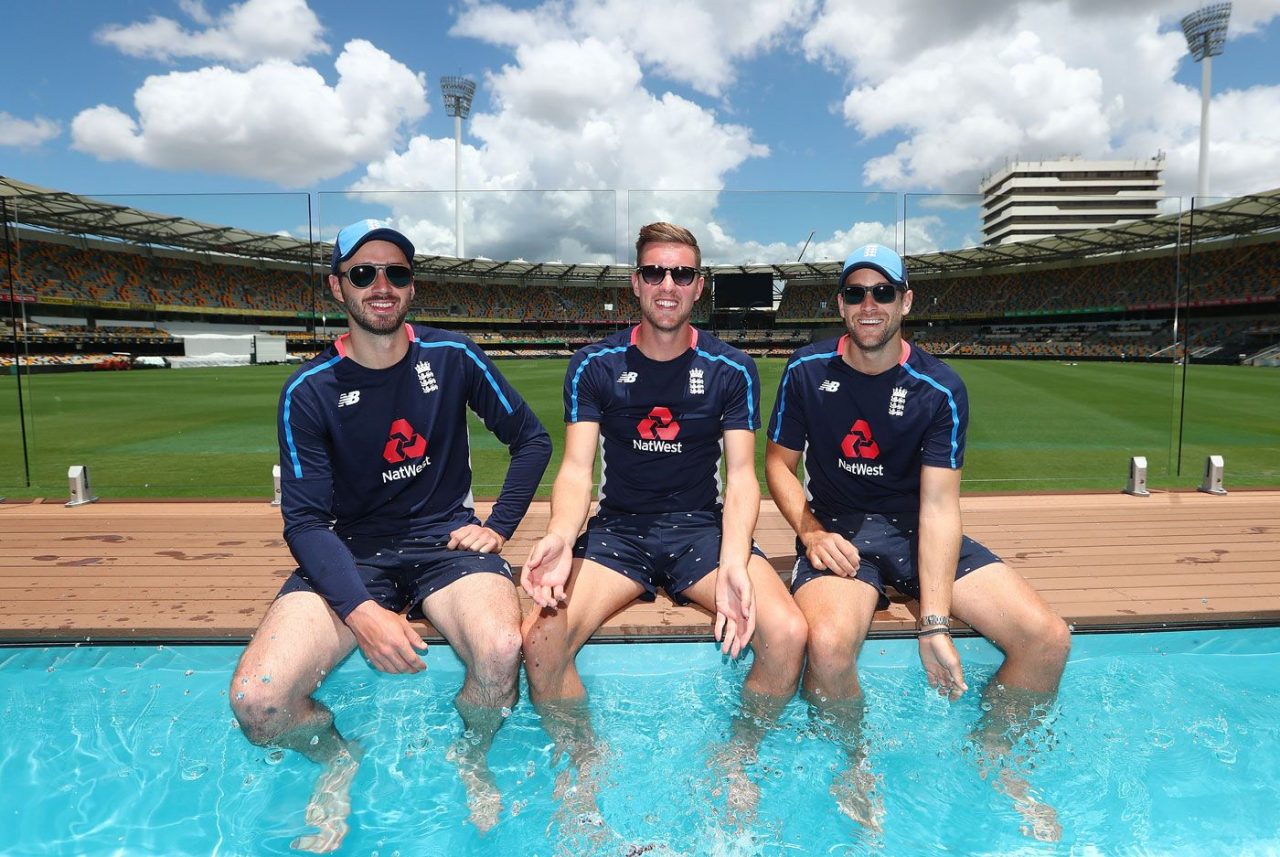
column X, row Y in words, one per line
column 351, row 237
column 879, row 257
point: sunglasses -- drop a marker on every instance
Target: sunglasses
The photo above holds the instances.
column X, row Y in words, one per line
column 884, row 293
column 362, row 276
column 682, row 275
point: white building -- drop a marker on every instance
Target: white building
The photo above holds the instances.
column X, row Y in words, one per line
column 1035, row 199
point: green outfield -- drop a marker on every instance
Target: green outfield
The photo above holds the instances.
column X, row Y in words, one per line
column 1035, row 426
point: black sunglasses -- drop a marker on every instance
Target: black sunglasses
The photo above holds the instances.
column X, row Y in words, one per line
column 362, row 276
column 884, row 293
column 681, row 275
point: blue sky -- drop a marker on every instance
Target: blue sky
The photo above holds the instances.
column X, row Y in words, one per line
column 594, row 115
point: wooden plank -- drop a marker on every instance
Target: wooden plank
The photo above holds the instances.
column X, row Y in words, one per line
column 209, row 570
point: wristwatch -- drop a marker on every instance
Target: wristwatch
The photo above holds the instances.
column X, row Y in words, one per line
column 933, row 620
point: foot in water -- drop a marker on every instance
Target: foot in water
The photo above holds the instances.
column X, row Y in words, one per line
column 330, row 804
column 856, row 794
column 483, row 798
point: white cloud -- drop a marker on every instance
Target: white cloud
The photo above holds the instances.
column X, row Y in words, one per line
column 247, row 33
column 973, row 84
column 694, row 42
column 567, row 114
column 27, row 133
column 277, row 121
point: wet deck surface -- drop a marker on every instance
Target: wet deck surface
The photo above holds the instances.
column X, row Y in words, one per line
column 207, row 570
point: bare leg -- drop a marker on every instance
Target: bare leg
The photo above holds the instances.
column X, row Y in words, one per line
column 778, row 648
column 552, row 639
column 839, row 613
column 1003, row 607
column 299, row 642
column 480, row 617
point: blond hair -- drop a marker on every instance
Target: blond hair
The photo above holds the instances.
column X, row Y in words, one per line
column 667, row 233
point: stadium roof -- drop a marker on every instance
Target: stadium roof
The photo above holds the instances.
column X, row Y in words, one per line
column 71, row 214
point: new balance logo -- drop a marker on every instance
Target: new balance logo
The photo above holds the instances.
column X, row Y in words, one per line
column 829, row 386
column 897, row 401
column 351, row 398
column 627, row 378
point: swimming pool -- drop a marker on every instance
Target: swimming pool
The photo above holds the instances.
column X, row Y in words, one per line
column 1161, row 743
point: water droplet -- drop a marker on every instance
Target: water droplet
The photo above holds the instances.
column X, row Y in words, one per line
column 266, row 679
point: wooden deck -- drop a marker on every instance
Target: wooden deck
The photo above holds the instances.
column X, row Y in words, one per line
column 207, row 570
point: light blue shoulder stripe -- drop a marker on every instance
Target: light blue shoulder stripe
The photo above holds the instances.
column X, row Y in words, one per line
column 573, row 385
column 782, row 392
column 951, row 400
column 751, row 399
column 475, row 359
column 288, row 407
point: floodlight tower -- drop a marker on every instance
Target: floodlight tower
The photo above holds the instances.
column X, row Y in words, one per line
column 1206, row 32
column 458, row 92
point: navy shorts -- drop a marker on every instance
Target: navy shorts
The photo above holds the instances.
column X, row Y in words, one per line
column 401, row 574
column 673, row 550
column 888, row 546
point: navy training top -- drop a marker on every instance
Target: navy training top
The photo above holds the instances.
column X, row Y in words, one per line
column 384, row 454
column 661, row 422
column 865, row 437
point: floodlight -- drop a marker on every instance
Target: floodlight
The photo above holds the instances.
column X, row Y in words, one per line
column 1206, row 32
column 458, row 92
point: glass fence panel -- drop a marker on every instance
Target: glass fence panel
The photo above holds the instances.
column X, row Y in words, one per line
column 1230, row 343
column 1065, row 343
column 154, row 340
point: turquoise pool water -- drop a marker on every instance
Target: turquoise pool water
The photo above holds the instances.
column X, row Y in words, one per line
column 1160, row 744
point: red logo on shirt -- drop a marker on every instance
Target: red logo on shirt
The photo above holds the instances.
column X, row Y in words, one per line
column 404, row 443
column 858, row 443
column 659, row 425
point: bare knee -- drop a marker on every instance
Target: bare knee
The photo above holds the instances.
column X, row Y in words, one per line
column 785, row 638
column 264, row 711
column 547, row 653
column 497, row 654
column 1053, row 642
column 832, row 666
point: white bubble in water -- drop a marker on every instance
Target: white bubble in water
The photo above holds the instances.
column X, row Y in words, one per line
column 195, row 772
column 315, row 739
column 189, row 672
column 506, row 712
column 275, row 757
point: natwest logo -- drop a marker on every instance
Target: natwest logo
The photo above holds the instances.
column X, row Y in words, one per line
column 659, row 425
column 858, row 443
column 658, row 430
column 404, row 443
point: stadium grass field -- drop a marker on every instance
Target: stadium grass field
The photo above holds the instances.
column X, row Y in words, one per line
column 1034, row 426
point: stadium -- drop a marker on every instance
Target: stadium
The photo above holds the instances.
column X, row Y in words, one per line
column 150, row 348
column 95, row 284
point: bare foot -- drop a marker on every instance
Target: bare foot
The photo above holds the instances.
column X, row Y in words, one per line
column 330, row 804
column 483, row 798
column 856, row 794
column 728, row 766
column 1040, row 820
